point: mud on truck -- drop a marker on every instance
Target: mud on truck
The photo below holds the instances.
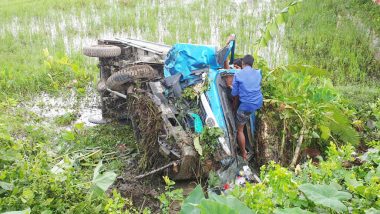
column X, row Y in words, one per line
column 170, row 95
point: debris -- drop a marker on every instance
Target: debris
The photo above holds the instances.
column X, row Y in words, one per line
column 157, row 170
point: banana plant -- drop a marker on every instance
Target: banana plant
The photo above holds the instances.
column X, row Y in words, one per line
column 307, row 101
column 272, row 28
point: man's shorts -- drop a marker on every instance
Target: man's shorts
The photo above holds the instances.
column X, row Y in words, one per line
column 242, row 117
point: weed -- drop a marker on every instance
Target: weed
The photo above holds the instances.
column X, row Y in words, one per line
column 65, row 119
column 209, row 140
column 170, row 195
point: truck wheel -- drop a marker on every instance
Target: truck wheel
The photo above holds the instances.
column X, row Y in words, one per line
column 131, row 74
column 102, row 51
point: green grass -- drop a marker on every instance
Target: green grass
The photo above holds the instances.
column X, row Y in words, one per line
column 65, row 119
column 359, row 95
column 324, row 34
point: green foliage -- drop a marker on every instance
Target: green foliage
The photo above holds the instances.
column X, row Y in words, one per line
column 62, row 72
column 192, row 201
column 56, row 72
column 34, row 176
column 213, row 180
column 295, row 210
column 326, row 195
column 40, row 186
column 197, row 146
column 170, row 195
column 117, row 205
column 65, row 119
column 189, row 93
column 340, row 38
column 197, row 203
column 367, row 120
column 276, row 190
column 209, row 140
column 306, row 100
column 331, row 187
column 102, row 181
column 272, row 28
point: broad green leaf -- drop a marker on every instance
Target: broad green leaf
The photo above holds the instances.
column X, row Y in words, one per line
column 371, row 155
column 26, row 211
column 68, row 136
column 6, row 186
column 326, row 195
column 27, row 194
column 267, row 35
column 294, row 210
column 352, row 182
column 194, row 199
column 325, row 132
column 281, row 18
column 340, row 124
column 97, row 169
column 315, row 134
column 103, row 181
column 273, row 28
column 263, row 42
column 213, row 207
column 232, row 203
column 372, row 211
column 198, row 146
column 79, row 126
column 97, row 192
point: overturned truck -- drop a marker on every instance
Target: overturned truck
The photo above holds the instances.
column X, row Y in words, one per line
column 145, row 84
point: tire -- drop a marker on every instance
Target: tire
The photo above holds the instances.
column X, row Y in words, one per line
column 102, row 51
column 131, row 74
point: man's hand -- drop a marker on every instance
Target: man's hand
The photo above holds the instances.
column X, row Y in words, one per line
column 230, row 38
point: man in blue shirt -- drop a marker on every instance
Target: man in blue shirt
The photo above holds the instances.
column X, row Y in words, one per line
column 246, row 88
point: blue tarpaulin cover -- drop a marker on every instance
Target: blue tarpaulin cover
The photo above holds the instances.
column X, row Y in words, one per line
column 184, row 58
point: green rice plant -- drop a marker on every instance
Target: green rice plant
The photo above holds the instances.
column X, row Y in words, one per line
column 324, row 34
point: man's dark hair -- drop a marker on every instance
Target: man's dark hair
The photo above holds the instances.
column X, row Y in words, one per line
column 248, row 60
column 238, row 62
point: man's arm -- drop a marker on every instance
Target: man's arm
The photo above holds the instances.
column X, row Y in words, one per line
column 235, row 103
column 235, row 93
column 229, row 39
column 235, row 86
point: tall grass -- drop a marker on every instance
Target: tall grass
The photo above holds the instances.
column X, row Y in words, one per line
column 325, row 33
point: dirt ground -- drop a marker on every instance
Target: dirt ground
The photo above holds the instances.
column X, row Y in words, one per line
column 144, row 192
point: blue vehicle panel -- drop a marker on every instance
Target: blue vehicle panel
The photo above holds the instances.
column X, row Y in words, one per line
column 214, row 98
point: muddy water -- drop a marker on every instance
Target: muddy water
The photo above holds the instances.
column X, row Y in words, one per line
column 49, row 107
column 76, row 28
